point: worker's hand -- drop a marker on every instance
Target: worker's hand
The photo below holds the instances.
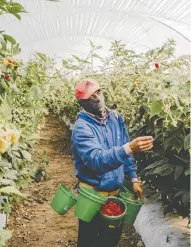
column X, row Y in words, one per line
column 137, row 188
column 141, row 144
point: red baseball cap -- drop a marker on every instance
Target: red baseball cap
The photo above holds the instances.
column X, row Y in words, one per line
column 84, row 89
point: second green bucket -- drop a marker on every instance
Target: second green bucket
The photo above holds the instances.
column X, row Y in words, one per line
column 88, row 204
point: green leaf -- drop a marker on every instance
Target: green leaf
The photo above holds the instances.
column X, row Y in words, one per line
column 178, row 143
column 156, row 108
column 33, row 137
column 9, row 38
column 77, row 58
column 17, row 16
column 23, row 184
column 149, row 173
column 5, row 181
column 7, row 208
column 13, row 75
column 16, row 49
column 10, row 190
column 164, row 170
column 187, row 172
column 187, row 142
column 11, row 174
column 14, row 9
column 5, row 235
column 149, row 95
column 178, row 171
column 99, row 47
column 3, row 45
column 85, row 61
column 65, row 62
column 73, row 67
column 26, row 155
column 97, row 56
column 42, row 56
column 5, row 163
column 6, row 109
column 187, row 161
column 186, row 198
column 36, row 93
column 169, row 142
column 179, row 193
column 91, row 44
column 156, row 163
column 17, row 7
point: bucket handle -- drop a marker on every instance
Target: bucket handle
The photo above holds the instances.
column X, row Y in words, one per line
column 124, row 188
column 74, row 185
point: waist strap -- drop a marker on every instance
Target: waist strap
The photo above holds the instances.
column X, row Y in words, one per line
column 103, row 193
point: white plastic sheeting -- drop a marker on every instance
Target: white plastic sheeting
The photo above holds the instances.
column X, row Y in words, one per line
column 61, row 28
column 159, row 231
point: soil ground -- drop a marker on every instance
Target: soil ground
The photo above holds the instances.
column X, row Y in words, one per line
column 34, row 223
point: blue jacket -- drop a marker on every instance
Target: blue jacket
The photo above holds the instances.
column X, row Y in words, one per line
column 99, row 156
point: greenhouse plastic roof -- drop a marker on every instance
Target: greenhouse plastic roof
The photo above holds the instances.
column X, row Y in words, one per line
column 61, row 28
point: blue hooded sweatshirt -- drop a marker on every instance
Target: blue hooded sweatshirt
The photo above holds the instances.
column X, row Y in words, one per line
column 99, row 156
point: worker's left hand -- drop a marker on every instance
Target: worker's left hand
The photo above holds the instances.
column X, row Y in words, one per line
column 138, row 189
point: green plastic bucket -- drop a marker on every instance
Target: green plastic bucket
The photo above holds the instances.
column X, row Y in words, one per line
column 133, row 208
column 114, row 221
column 63, row 200
column 90, row 192
column 88, row 204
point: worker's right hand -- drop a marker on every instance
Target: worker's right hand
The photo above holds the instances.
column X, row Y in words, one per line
column 141, row 144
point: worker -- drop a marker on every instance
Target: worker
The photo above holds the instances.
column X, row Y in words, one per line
column 102, row 153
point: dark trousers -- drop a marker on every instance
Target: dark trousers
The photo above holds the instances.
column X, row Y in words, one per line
column 98, row 234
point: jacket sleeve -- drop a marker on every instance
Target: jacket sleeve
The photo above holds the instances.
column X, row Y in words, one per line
column 92, row 154
column 130, row 167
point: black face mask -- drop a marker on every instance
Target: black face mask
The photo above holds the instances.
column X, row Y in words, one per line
column 94, row 106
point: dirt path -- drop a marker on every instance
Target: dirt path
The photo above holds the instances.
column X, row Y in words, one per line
column 34, row 224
